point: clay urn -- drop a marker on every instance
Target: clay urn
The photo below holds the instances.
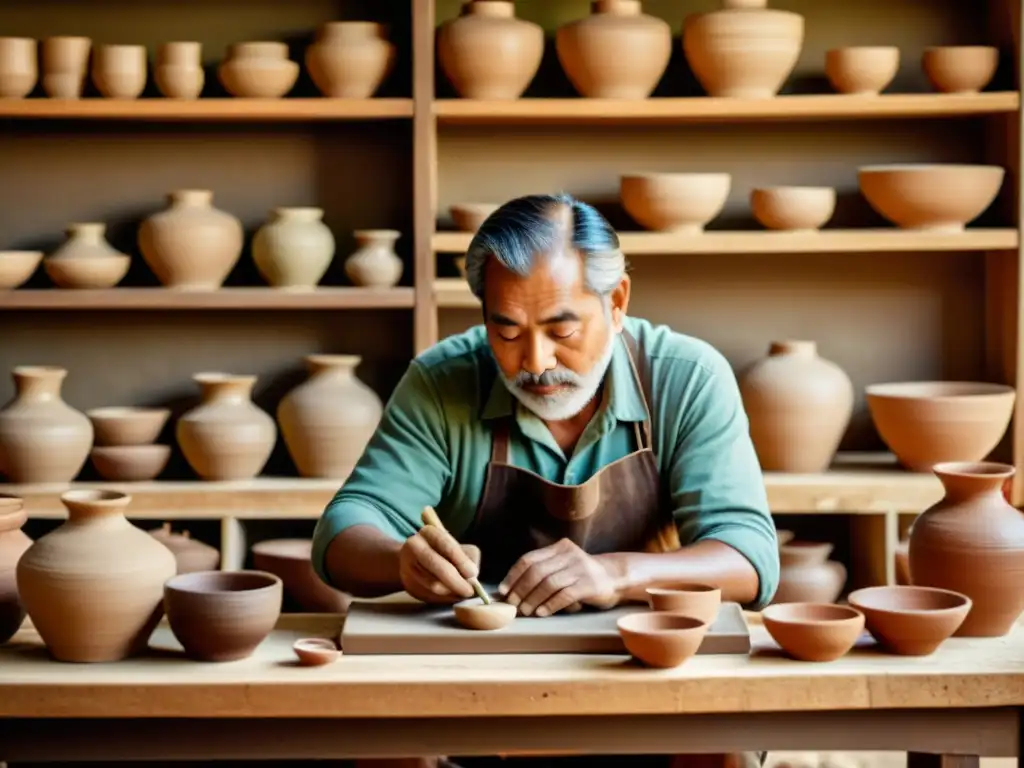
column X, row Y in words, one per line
column 179, row 70
column 813, row 631
column 745, row 50
column 190, row 555
column 862, row 70
column 119, row 71
column 191, row 245
column 16, row 267
column 13, row 544
column 42, row 438
column 487, row 53
column 960, row 68
column 227, row 436
column 618, row 52
column 86, row 259
column 807, row 575
column 350, row 59
column 294, row 248
column 65, row 66
column 681, row 203
column 796, row 209
column 291, row 560
column 972, row 542
column 19, row 67
column 798, row 404
column 94, row 586
column 327, row 420
column 258, row 70
column 374, row 263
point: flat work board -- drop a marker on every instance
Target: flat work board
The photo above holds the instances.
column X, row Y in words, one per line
column 413, row 628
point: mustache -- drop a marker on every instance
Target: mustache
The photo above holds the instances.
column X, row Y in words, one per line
column 552, row 378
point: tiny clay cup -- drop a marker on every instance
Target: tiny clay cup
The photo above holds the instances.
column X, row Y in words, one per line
column 698, row 600
column 316, row 651
column 661, row 639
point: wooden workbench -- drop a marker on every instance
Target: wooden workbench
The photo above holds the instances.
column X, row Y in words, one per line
column 964, row 700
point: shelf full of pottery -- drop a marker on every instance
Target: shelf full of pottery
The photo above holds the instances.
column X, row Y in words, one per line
column 194, row 246
column 745, row 50
column 349, row 60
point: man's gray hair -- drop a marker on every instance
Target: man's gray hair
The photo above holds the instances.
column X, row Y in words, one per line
column 528, row 227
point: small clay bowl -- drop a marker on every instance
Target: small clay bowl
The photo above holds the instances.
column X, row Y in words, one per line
column 475, row 614
column 469, row 216
column 130, row 463
column 661, row 639
column 813, row 631
column 911, row 621
column 16, row 267
column 316, row 651
column 698, row 600
column 127, row 425
column 796, row 209
column 960, row 68
column 862, row 70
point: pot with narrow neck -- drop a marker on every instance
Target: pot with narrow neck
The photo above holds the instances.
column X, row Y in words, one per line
column 374, row 263
column 13, row 544
column 350, row 59
column 293, row 249
column 807, row 575
column 86, row 260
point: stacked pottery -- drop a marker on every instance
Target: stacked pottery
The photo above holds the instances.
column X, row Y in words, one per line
column 293, row 249
column 13, row 544
column 65, row 66
column 86, row 259
column 119, row 71
column 42, row 438
column 259, row 70
column 19, row 67
column 125, row 449
column 350, row 59
column 191, row 555
column 179, row 70
column 807, row 575
column 374, row 264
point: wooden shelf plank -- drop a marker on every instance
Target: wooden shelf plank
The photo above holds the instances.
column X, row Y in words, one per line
column 718, row 110
column 453, row 292
column 890, row 239
column 225, row 298
column 229, row 109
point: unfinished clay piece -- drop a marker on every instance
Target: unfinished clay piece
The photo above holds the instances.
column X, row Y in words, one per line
column 698, row 600
column 473, row 614
column 316, row 651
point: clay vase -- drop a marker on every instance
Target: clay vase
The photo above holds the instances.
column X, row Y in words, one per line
column 86, row 260
column 798, row 405
column 19, row 67
column 65, row 66
column 350, row 59
column 972, row 542
column 618, row 52
column 42, row 438
column 327, row 421
column 191, row 245
column 374, row 264
column 487, row 53
column 191, row 555
column 745, row 50
column 179, row 70
column 294, row 248
column 119, row 71
column 94, row 586
column 226, row 437
column 807, row 575
column 13, row 544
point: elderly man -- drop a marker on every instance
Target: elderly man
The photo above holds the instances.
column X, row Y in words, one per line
column 576, row 455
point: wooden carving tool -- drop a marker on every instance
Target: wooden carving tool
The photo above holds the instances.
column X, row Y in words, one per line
column 430, row 518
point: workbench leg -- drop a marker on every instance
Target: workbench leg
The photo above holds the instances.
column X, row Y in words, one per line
column 924, row 760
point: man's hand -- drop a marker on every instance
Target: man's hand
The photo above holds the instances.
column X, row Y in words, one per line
column 434, row 567
column 559, row 577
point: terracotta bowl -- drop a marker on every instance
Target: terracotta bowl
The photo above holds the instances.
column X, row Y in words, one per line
column 661, row 639
column 813, row 631
column 943, row 198
column 910, row 621
column 468, row 217
column 128, row 425
column 862, row 70
column 676, row 202
column 474, row 614
column 222, row 615
column 698, row 600
column 91, row 273
column 290, row 559
column 130, row 463
column 928, row 422
column 793, row 208
column 316, row 651
column 960, row 68
column 16, row 267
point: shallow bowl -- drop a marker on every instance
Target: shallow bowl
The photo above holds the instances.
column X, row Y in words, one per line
column 130, row 463
column 677, row 202
column 127, row 425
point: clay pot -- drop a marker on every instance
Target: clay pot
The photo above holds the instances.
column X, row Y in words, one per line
column 94, row 586
column 374, row 264
column 19, row 67
column 487, row 53
column 960, row 68
column 698, row 600
column 813, row 631
column 86, row 259
column 798, row 405
column 972, row 542
column 191, row 555
column 13, row 544
column 179, row 70
column 130, row 463
column 259, row 70
column 682, row 203
column 42, row 438
column 807, row 575
column 469, row 217
column 119, row 71
column 226, row 437
column 290, row 559
column 191, row 245
column 350, row 59
column 16, row 267
column 797, row 209
column 294, row 248
column 661, row 639
column 127, row 425
column 65, row 66
column 745, row 50
column 327, row 421
column 862, row 70
column 618, row 52
column 910, row 621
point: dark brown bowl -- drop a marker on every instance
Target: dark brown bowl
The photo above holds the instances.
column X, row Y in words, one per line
column 911, row 621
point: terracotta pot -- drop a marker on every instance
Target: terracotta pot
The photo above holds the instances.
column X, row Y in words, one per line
column 13, row 544
column 862, row 70
column 179, row 70
column 807, row 575
column 350, row 59
column 682, row 203
column 745, row 50
column 16, row 267
column 910, row 621
column 960, row 68
column 226, row 437
column 813, row 631
column 191, row 245
column 798, row 405
column 487, row 53
column 86, row 259
column 65, row 66
column 327, row 421
column 290, row 559
column 618, row 52
column 259, row 70
column 972, row 542
column 191, row 555
column 119, row 71
column 19, row 67
column 294, row 248
column 374, row 264
column 94, row 586
column 661, row 639
column 42, row 438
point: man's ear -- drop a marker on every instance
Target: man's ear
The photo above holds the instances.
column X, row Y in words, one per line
column 619, row 298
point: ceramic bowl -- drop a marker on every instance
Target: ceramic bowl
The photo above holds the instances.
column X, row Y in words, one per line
column 793, row 208
column 960, row 68
column 222, row 615
column 939, row 197
column 16, row 267
column 474, row 614
column 910, row 621
column 291, row 561
column 468, row 217
column 813, row 631
column 698, row 600
column 928, row 422
column 661, row 639
column 862, row 70
column 316, row 651
column 260, row 70
column 130, row 463
column 682, row 203
column 87, row 273
column 127, row 425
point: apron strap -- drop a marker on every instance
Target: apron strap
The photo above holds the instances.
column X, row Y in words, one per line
column 500, row 442
column 642, row 375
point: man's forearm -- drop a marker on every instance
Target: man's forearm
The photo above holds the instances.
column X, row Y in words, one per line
column 363, row 561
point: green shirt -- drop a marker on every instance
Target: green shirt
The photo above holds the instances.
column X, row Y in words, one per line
column 434, row 442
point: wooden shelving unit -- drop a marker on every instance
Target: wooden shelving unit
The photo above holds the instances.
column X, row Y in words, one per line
column 225, row 298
